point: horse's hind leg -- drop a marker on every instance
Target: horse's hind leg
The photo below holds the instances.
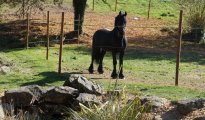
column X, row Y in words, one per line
column 91, row 68
column 121, row 76
column 114, row 72
column 100, row 67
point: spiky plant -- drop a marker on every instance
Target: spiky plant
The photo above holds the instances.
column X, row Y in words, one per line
column 115, row 109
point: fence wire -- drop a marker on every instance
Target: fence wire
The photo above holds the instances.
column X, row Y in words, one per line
column 68, row 26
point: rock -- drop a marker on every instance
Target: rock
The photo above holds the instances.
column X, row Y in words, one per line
column 2, row 115
column 88, row 99
column 136, row 18
column 54, row 110
column 24, row 96
column 187, row 106
column 158, row 117
column 83, row 85
column 20, row 97
column 5, row 70
column 61, row 95
column 155, row 102
column 36, row 90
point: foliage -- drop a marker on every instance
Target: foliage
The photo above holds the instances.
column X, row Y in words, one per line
column 58, row 2
column 25, row 5
column 115, row 109
column 195, row 16
column 30, row 5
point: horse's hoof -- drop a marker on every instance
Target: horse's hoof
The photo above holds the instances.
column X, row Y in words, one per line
column 114, row 76
column 121, row 77
column 91, row 71
column 100, row 71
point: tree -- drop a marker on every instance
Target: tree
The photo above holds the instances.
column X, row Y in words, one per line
column 79, row 11
column 25, row 5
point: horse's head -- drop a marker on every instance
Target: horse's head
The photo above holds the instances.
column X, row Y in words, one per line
column 120, row 24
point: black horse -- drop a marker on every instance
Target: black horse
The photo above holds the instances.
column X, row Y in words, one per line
column 114, row 41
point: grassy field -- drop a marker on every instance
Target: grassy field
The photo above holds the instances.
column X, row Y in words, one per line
column 137, row 7
column 133, row 7
column 146, row 72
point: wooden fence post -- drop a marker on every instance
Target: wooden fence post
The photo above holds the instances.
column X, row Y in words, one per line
column 179, row 47
column 61, row 43
column 93, row 5
column 27, row 34
column 79, row 28
column 116, row 5
column 23, row 6
column 48, row 20
column 149, row 6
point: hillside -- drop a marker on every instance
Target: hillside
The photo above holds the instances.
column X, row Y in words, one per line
column 158, row 8
column 137, row 7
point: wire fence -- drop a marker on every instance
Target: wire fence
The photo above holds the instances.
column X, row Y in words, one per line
column 147, row 7
column 38, row 27
column 150, row 35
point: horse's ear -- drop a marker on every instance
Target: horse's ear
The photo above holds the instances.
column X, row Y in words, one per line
column 125, row 13
column 120, row 13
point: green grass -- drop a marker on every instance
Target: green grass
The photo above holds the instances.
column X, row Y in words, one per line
column 137, row 7
column 166, row 91
column 133, row 7
column 30, row 67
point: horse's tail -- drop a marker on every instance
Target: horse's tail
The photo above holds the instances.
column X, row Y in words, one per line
column 97, row 54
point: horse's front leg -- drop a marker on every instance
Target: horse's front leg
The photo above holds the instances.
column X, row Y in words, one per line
column 100, row 67
column 121, row 76
column 114, row 72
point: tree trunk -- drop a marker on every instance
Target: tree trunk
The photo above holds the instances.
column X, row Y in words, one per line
column 79, row 10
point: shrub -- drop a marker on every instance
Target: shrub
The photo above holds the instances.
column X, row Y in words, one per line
column 195, row 17
column 115, row 109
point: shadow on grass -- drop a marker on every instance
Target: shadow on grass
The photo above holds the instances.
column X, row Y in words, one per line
column 149, row 54
column 13, row 34
column 50, row 77
column 159, row 56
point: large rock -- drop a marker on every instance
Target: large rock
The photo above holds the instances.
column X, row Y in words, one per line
column 5, row 70
column 155, row 102
column 187, row 106
column 36, row 90
column 88, row 99
column 2, row 114
column 60, row 95
column 24, row 96
column 158, row 117
column 83, row 85
column 20, row 97
column 52, row 110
